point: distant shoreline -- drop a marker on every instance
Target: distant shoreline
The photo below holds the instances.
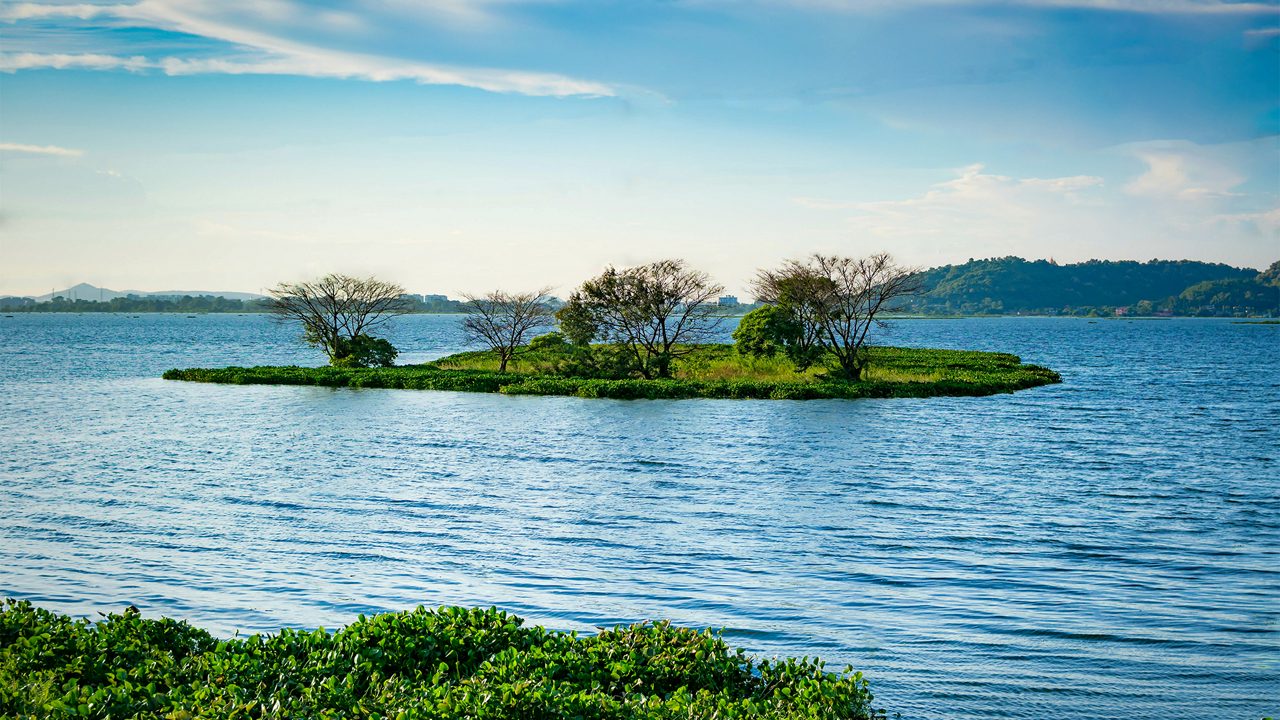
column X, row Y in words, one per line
column 10, row 312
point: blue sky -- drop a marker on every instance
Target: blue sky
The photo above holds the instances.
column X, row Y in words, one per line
column 462, row 146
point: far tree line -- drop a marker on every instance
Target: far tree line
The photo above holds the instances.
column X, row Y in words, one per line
column 628, row 322
column 995, row 286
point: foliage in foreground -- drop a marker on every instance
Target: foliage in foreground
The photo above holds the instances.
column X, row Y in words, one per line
column 715, row 371
column 447, row 663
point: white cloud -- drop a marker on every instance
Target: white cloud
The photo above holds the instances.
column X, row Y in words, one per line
column 983, row 213
column 1190, row 201
column 40, row 150
column 1181, row 171
column 260, row 30
column 1265, row 223
column 1132, row 6
column 325, row 65
column 36, row 11
column 12, row 62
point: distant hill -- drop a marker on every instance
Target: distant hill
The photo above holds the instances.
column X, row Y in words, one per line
column 1011, row 285
column 85, row 291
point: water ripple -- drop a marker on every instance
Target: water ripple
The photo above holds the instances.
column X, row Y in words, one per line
column 1105, row 548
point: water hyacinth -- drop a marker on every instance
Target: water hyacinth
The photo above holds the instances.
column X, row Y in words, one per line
column 714, row 371
column 429, row 664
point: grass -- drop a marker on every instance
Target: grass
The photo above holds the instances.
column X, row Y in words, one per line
column 712, row 371
column 445, row 664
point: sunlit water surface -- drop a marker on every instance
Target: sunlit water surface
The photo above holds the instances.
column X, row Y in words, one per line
column 1104, row 548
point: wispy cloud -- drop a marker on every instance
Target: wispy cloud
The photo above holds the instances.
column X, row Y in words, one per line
column 258, row 34
column 1213, row 7
column 322, row 65
column 1181, row 171
column 39, row 150
column 972, row 188
column 12, row 62
column 985, row 213
column 35, row 11
column 1265, row 223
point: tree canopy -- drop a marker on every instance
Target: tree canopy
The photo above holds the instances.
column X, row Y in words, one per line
column 340, row 313
column 652, row 311
column 830, row 303
column 504, row 320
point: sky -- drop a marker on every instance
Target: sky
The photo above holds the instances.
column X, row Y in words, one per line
column 464, row 146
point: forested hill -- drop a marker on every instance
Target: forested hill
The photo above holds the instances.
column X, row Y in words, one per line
column 1014, row 285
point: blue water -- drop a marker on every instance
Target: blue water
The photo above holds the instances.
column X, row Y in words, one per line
column 1104, row 548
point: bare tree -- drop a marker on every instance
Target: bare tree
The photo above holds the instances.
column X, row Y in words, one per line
column 504, row 321
column 655, row 311
column 337, row 309
column 838, row 300
column 797, row 290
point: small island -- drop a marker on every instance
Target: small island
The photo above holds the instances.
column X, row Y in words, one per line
column 709, row 371
column 646, row 332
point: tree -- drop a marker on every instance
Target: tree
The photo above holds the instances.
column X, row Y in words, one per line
column 577, row 322
column 837, row 300
column 339, row 314
column 503, row 320
column 653, row 311
column 797, row 294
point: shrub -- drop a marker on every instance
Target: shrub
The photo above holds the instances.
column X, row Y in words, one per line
column 431, row 664
column 764, row 332
column 363, row 351
column 550, row 342
column 606, row 362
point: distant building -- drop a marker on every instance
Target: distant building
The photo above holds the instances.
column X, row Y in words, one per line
column 728, row 301
column 435, row 298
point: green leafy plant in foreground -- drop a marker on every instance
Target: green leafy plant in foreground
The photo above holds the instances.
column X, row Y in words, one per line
column 429, row 664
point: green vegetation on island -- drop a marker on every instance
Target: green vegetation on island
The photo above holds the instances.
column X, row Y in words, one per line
column 643, row 332
column 444, row 664
column 711, row 371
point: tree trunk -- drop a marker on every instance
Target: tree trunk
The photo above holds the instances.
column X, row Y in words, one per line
column 850, row 369
column 663, row 363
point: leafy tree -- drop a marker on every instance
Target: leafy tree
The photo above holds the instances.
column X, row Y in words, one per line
column 577, row 322
column 337, row 309
column 835, row 301
column 504, row 320
column 654, row 312
column 797, row 291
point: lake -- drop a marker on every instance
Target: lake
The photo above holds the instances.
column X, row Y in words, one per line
column 1104, row 548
